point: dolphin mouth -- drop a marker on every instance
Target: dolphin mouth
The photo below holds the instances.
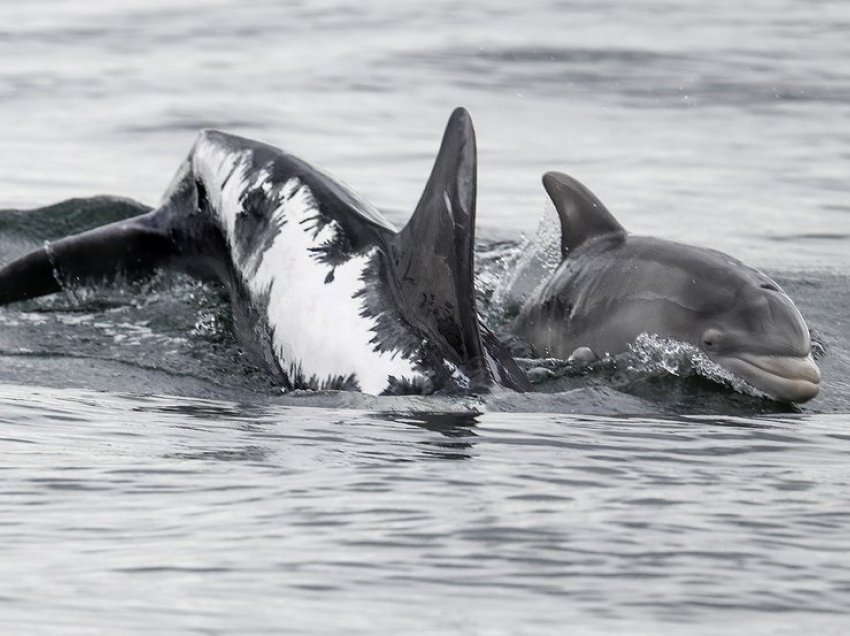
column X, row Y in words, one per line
column 785, row 378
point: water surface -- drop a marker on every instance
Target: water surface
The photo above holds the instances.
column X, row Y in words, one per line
column 153, row 483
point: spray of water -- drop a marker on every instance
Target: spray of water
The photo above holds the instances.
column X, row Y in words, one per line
column 653, row 355
column 647, row 357
column 530, row 265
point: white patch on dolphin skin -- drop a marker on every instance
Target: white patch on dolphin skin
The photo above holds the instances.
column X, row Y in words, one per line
column 318, row 323
column 223, row 173
column 315, row 320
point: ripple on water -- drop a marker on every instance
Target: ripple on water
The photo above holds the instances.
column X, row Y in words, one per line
column 589, row 518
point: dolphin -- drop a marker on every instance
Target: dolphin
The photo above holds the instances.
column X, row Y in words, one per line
column 326, row 293
column 611, row 287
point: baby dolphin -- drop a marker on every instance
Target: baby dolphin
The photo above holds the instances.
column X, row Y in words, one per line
column 611, row 287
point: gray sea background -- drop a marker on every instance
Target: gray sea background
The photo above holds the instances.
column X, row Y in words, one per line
column 150, row 482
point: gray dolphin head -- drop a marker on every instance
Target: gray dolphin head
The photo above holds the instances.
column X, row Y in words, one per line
column 612, row 286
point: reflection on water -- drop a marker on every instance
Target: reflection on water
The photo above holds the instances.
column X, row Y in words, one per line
column 456, row 431
column 251, row 454
column 167, row 507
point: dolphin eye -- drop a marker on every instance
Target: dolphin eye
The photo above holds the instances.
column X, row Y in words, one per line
column 711, row 340
column 769, row 287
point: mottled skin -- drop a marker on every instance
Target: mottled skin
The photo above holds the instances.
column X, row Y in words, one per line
column 612, row 286
column 326, row 293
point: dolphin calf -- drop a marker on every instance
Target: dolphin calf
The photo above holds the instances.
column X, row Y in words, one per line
column 611, row 286
column 326, row 293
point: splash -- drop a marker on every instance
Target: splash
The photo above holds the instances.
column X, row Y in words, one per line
column 493, row 262
column 649, row 356
column 525, row 268
column 652, row 355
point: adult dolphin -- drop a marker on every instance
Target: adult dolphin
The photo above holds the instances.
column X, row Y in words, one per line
column 611, row 286
column 326, row 293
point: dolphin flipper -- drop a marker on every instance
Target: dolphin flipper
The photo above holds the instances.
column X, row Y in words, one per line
column 130, row 248
column 582, row 215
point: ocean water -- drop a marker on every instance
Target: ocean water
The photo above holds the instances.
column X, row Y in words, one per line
column 153, row 483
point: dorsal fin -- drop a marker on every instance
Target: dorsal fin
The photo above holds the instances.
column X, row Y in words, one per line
column 582, row 215
column 432, row 257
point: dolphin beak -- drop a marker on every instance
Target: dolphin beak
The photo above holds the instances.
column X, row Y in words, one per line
column 785, row 378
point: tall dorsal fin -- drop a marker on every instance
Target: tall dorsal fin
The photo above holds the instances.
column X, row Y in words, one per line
column 432, row 260
column 582, row 215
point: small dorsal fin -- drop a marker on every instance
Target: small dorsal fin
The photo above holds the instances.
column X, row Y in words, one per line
column 433, row 263
column 582, row 215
